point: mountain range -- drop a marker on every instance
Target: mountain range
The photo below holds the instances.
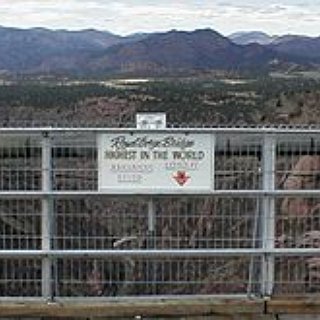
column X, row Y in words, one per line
column 40, row 50
column 300, row 46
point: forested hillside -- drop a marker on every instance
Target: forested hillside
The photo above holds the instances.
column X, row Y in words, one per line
column 191, row 101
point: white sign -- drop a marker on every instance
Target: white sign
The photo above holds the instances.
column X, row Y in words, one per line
column 151, row 121
column 154, row 163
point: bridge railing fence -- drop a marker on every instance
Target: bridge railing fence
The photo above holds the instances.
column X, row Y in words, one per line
column 257, row 233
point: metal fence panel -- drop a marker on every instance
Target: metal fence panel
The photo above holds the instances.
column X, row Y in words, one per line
column 61, row 236
column 140, row 277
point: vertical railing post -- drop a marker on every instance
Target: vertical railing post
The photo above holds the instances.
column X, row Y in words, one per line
column 151, row 217
column 46, row 224
column 151, row 243
column 268, row 214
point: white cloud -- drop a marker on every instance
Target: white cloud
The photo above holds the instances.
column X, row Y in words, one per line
column 128, row 16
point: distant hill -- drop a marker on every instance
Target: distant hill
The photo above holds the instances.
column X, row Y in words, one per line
column 299, row 46
column 41, row 50
column 244, row 38
column 307, row 48
column 38, row 48
column 178, row 50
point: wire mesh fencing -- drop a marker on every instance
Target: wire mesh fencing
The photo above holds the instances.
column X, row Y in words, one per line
column 256, row 227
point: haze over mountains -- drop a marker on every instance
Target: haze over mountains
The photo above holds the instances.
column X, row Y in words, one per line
column 41, row 50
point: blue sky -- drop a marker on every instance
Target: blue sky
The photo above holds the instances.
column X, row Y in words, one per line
column 130, row 16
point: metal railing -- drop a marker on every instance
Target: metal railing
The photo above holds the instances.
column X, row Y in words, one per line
column 256, row 233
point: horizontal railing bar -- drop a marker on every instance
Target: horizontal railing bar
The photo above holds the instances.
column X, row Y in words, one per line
column 59, row 152
column 161, row 192
column 144, row 298
column 146, row 253
column 155, row 253
column 232, row 130
column 303, row 151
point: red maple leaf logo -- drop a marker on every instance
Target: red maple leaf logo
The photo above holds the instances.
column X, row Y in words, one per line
column 181, row 177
